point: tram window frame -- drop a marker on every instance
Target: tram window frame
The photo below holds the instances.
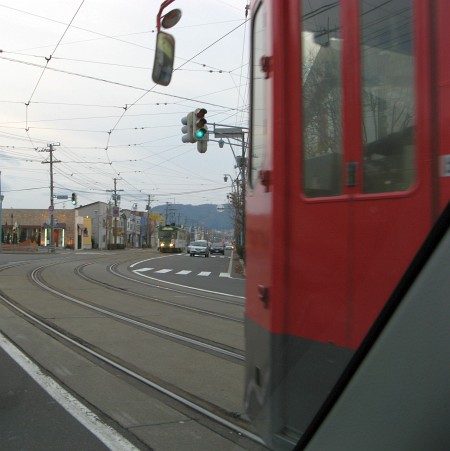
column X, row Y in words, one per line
column 387, row 90
column 259, row 113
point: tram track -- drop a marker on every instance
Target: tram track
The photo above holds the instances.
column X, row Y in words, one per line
column 210, row 411
column 80, row 271
column 183, row 338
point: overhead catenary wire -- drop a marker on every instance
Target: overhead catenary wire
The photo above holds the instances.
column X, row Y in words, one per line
column 156, row 156
column 50, row 57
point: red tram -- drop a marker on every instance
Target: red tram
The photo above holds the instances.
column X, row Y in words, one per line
column 349, row 169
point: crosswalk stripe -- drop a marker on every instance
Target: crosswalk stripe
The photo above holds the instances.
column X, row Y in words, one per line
column 183, row 272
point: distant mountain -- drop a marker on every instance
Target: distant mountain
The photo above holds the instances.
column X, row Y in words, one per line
column 205, row 215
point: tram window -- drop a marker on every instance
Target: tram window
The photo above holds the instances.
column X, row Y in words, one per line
column 259, row 109
column 388, row 101
column 321, row 99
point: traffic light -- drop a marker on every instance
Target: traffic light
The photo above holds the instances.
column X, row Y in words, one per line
column 187, row 129
column 200, row 127
column 195, row 129
column 74, row 198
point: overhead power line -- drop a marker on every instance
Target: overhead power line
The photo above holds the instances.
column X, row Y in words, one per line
column 54, row 50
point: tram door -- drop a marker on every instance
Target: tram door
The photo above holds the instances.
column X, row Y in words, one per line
column 366, row 170
column 391, row 200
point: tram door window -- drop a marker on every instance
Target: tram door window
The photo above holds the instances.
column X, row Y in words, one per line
column 388, row 101
column 322, row 101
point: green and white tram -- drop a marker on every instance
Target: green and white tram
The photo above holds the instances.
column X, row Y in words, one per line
column 172, row 238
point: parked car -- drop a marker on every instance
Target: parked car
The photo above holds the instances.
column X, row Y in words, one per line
column 199, row 247
column 217, row 248
column 229, row 246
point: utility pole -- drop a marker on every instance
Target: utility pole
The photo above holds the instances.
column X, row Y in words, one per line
column 170, row 213
column 115, row 215
column 149, row 229
column 52, row 205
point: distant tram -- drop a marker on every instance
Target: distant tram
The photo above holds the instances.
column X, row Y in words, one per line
column 172, row 238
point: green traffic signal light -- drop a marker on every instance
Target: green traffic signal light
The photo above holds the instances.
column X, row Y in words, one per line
column 74, row 199
column 200, row 133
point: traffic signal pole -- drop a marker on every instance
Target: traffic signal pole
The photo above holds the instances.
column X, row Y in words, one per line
column 238, row 133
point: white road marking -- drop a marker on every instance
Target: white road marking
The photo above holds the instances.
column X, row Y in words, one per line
column 143, row 269
column 184, row 272
column 184, row 286
column 106, row 434
column 204, row 273
column 163, row 271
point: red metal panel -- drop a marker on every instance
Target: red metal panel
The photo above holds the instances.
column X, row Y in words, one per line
column 260, row 236
column 318, row 272
column 269, row 234
column 303, row 253
column 441, row 23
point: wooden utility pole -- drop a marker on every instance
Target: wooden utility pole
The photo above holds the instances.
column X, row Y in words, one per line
column 52, row 204
column 115, row 198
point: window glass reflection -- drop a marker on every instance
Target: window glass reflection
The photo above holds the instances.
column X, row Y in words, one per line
column 388, row 100
column 322, row 99
column 259, row 113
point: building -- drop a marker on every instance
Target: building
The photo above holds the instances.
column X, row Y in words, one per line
column 98, row 225
column 70, row 230
column 100, row 215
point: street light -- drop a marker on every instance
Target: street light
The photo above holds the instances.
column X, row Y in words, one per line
column 225, row 178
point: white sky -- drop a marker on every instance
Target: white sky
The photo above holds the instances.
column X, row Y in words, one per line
column 102, row 64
